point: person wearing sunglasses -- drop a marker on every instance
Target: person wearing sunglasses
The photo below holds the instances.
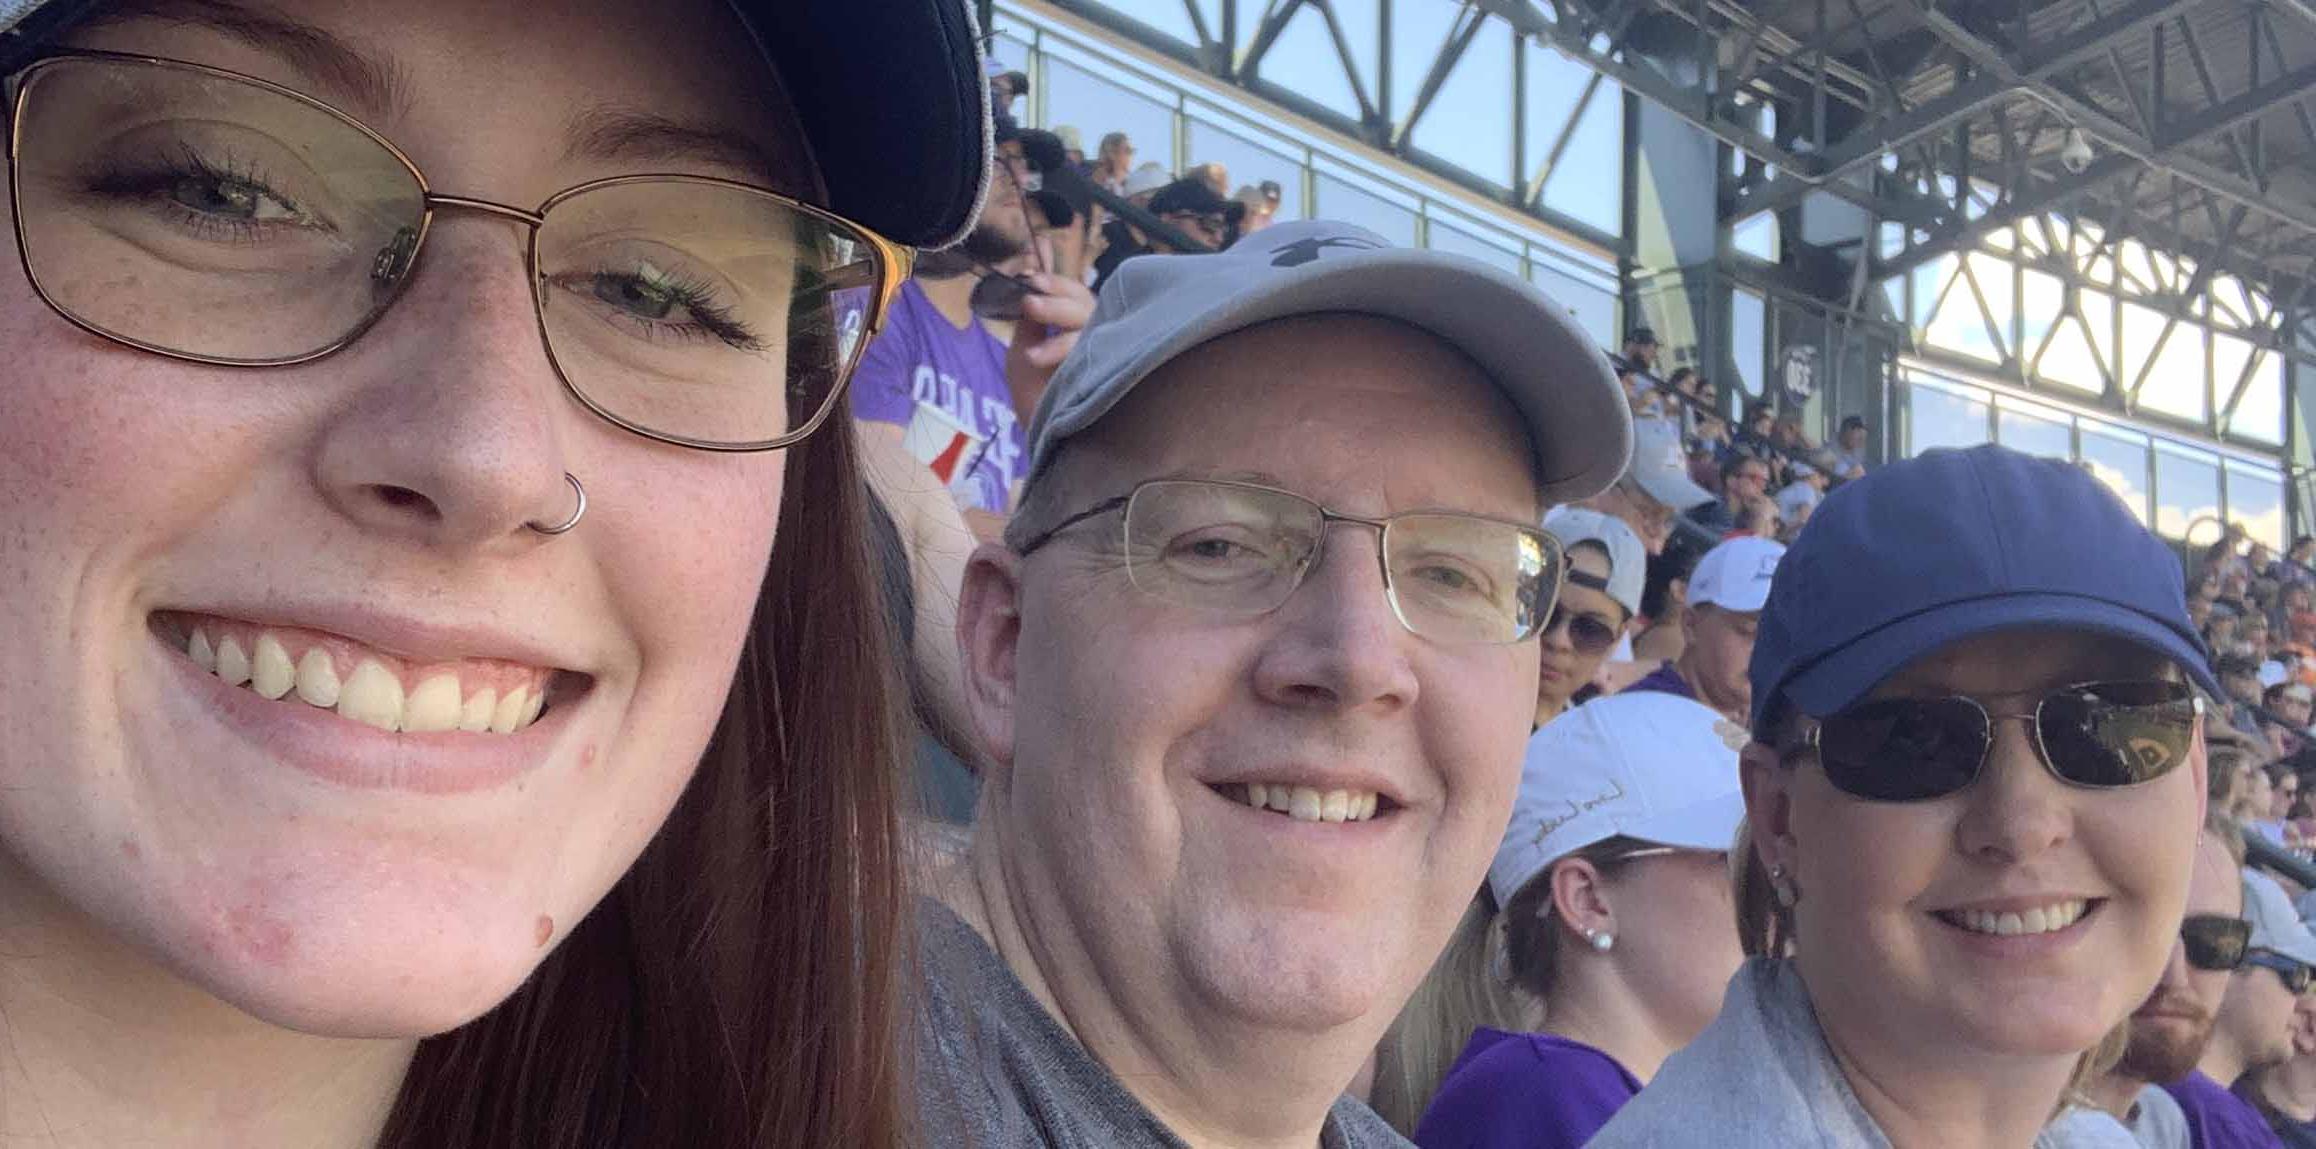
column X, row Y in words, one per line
column 1252, row 671
column 402, row 404
column 2265, row 1001
column 1615, row 936
column 2284, row 1093
column 1606, row 568
column 1973, row 793
column 2169, row 1030
column 1726, row 593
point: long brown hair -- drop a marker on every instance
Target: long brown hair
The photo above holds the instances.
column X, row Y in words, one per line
column 741, row 984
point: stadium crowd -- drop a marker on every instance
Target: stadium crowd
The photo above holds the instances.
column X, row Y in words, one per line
column 1142, row 674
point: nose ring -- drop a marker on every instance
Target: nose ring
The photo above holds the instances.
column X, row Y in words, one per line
column 577, row 513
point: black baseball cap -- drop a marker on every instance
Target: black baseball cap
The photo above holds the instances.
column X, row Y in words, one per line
column 1644, row 336
column 890, row 94
column 1191, row 194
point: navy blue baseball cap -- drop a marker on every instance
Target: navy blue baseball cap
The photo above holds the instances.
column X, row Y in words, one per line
column 1950, row 545
column 890, row 94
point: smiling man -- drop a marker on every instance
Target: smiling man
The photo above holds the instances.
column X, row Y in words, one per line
column 1254, row 669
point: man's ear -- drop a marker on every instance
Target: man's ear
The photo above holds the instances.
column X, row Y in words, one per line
column 988, row 640
column 1768, row 803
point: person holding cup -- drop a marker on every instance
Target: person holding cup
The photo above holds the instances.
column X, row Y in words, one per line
column 1974, row 792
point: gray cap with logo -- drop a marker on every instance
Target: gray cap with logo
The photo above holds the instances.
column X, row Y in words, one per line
column 1156, row 307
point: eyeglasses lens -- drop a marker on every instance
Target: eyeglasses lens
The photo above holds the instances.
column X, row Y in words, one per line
column 1242, row 549
column 2215, row 942
column 215, row 218
column 1903, row 749
column 2295, row 976
column 2117, row 733
column 1587, row 633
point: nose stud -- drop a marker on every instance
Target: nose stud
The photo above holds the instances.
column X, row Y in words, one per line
column 577, row 513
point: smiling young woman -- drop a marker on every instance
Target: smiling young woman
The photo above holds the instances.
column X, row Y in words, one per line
column 414, row 733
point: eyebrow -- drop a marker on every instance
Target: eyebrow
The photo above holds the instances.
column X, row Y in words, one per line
column 367, row 81
column 612, row 134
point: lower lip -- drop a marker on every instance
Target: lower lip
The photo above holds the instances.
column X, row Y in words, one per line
column 1550, row 675
column 2022, row 945
column 349, row 754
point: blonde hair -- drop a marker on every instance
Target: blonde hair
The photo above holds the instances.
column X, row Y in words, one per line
column 1496, row 972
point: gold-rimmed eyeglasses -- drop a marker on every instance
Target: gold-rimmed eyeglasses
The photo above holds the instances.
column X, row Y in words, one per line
column 1242, row 549
column 213, row 217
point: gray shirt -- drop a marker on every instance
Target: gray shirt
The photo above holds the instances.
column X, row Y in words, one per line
column 996, row 1071
column 1762, row 1077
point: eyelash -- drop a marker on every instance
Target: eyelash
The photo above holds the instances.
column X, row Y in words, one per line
column 150, row 182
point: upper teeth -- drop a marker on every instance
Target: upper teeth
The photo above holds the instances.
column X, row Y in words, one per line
column 1304, row 804
column 2042, row 920
column 376, row 689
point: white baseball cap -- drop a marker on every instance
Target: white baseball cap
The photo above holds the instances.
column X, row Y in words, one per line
column 1736, row 575
column 1147, row 178
column 1796, row 496
column 1156, row 307
column 1627, row 559
column 2276, row 926
column 1661, row 467
column 1656, row 767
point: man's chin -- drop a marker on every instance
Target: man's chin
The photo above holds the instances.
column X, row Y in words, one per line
column 2164, row 1050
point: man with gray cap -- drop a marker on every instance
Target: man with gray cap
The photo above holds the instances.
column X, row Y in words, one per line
column 1253, row 670
column 2256, row 1017
column 1656, row 489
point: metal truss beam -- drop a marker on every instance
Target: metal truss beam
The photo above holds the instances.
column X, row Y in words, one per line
column 1870, row 141
column 2226, row 114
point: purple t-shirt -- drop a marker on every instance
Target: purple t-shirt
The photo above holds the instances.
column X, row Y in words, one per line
column 1524, row 1091
column 1663, row 680
column 2218, row 1119
column 920, row 357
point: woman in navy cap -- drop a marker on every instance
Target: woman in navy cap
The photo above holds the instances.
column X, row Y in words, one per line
column 1974, row 792
column 410, row 732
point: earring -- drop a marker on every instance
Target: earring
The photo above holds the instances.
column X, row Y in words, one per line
column 1782, row 886
column 1602, row 941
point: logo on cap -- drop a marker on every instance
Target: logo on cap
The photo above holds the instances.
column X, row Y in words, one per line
column 1304, row 251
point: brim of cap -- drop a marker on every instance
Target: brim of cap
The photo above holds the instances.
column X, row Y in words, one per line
column 1558, row 380
column 1846, row 675
column 1707, row 825
column 894, row 105
column 1676, row 491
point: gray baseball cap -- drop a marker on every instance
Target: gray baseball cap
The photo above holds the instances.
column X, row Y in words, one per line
column 1661, row 467
column 1156, row 307
column 1628, row 559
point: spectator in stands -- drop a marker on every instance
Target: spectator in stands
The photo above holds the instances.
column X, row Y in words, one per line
column 1004, row 89
column 1113, row 163
column 1759, row 519
column 2239, row 676
column 1849, row 455
column 1655, row 488
column 1907, row 822
column 1615, row 939
column 1800, row 498
column 2252, row 633
column 1726, row 594
column 1258, row 206
column 1187, row 204
column 2289, row 705
column 1147, row 180
column 2301, row 567
column 935, row 379
column 2169, row 1030
column 2255, row 1021
column 1244, row 773
column 2285, row 1093
column 1744, row 478
column 1606, row 568
column 1073, row 145
column 1664, row 603
column 1636, row 369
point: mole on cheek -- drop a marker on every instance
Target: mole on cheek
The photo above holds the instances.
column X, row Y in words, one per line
column 544, row 931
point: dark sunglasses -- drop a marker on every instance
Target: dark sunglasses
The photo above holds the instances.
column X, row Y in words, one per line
column 2096, row 735
column 2296, row 977
column 1588, row 633
column 2215, row 942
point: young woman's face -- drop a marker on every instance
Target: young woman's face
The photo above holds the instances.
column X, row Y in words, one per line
column 362, row 519
column 1902, row 904
column 1565, row 668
